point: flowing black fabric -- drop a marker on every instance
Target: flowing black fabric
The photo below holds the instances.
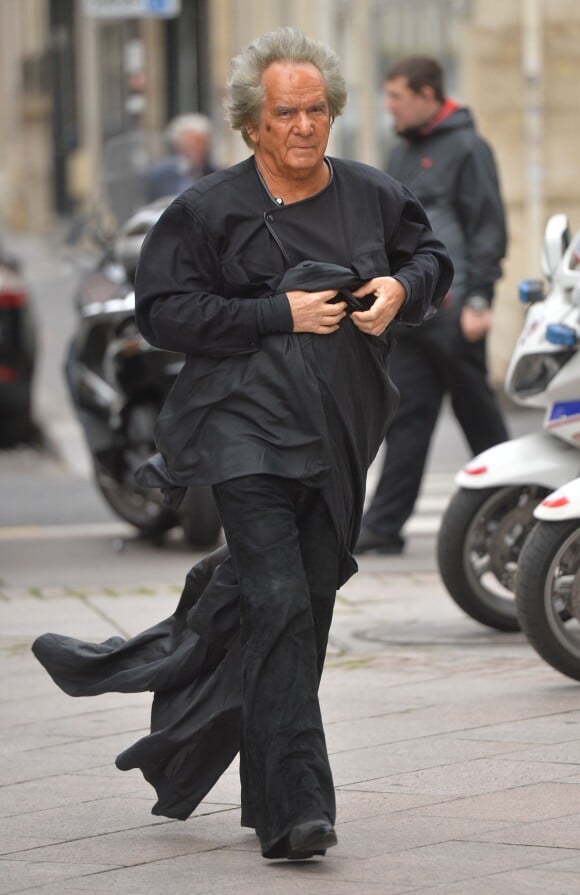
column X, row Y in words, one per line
column 191, row 661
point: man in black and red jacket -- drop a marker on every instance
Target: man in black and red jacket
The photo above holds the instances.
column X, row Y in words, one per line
column 451, row 170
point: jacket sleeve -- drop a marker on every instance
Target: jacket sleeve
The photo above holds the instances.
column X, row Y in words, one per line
column 419, row 260
column 178, row 305
column 481, row 214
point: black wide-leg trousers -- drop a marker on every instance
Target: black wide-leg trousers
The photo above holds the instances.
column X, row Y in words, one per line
column 285, row 551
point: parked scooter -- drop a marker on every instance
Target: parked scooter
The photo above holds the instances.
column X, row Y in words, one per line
column 548, row 578
column 489, row 518
column 118, row 383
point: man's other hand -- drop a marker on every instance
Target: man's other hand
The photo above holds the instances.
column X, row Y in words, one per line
column 390, row 296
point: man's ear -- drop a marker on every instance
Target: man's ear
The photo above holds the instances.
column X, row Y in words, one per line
column 251, row 131
column 427, row 92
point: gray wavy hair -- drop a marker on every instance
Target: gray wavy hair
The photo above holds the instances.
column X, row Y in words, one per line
column 244, row 91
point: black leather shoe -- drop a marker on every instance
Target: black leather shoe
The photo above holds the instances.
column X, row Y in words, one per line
column 372, row 542
column 309, row 839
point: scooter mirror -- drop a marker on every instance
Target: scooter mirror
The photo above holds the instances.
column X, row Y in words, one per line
column 557, row 238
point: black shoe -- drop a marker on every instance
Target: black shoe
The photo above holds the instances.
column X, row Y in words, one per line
column 371, row 542
column 309, row 839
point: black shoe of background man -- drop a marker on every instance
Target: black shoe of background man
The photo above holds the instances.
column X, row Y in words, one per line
column 373, row 542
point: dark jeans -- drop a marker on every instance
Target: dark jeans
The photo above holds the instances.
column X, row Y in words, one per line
column 427, row 362
column 285, row 550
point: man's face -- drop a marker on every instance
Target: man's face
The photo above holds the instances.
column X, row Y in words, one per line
column 409, row 109
column 292, row 132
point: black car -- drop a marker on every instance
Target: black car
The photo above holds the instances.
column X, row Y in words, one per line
column 17, row 354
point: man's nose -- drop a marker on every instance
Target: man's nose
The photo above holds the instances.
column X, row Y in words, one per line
column 303, row 122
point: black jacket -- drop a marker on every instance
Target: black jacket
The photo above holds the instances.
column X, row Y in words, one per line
column 254, row 397
column 451, row 170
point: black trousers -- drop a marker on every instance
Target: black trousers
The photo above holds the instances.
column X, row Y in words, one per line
column 285, row 550
column 426, row 363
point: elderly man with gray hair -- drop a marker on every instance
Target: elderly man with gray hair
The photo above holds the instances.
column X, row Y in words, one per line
column 278, row 278
column 189, row 139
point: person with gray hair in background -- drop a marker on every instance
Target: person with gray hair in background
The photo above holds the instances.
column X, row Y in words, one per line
column 278, row 278
column 189, row 139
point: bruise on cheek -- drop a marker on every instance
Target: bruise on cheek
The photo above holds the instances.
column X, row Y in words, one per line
column 268, row 128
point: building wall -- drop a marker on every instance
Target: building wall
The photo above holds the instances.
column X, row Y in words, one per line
column 25, row 161
column 516, row 63
column 520, row 75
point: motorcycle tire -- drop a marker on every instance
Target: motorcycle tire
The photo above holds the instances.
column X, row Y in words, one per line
column 478, row 547
column 136, row 506
column 548, row 594
column 199, row 517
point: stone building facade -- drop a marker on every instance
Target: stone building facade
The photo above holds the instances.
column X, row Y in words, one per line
column 516, row 63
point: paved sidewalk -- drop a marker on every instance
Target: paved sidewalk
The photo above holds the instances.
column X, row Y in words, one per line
column 454, row 749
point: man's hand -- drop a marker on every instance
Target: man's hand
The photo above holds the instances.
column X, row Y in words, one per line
column 389, row 295
column 312, row 312
column 475, row 324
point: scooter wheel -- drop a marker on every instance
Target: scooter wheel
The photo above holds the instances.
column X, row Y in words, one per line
column 478, row 548
column 548, row 594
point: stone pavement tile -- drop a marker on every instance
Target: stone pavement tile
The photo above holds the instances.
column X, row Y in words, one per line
column 25, row 741
column 547, row 879
column 561, row 832
column 53, row 706
column 15, row 842
column 459, row 780
column 129, row 848
column 27, row 617
column 447, row 862
column 89, row 818
column 381, row 756
column 39, row 763
column 539, row 801
column 17, row 877
column 352, row 804
column 567, row 753
column 544, row 728
column 67, row 789
column 221, row 870
column 386, row 834
column 92, row 756
column 94, row 718
column 445, row 700
column 132, row 611
column 286, row 878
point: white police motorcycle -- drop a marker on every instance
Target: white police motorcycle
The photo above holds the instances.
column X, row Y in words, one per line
column 548, row 578
column 488, row 520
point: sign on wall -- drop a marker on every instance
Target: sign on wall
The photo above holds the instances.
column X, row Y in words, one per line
column 132, row 9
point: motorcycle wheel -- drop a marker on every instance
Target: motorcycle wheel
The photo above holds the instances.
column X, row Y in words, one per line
column 548, row 594
column 199, row 517
column 478, row 548
column 136, row 506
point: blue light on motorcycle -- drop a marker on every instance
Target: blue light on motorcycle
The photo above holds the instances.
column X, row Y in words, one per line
column 530, row 291
column 561, row 334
